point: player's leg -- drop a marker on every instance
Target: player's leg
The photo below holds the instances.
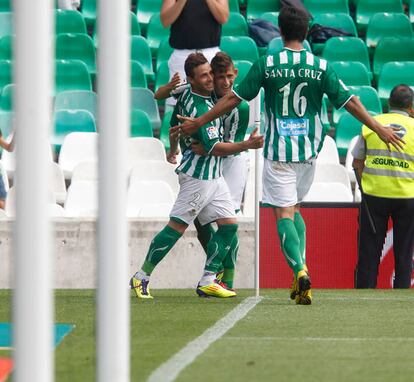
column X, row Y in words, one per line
column 229, row 263
column 204, row 233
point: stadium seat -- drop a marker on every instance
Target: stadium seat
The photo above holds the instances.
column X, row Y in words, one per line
column 367, row 8
column 276, row 45
column 331, row 172
column 89, row 12
column 85, row 172
column 6, row 24
column 6, row 47
column 82, row 200
column 328, row 153
column 144, row 149
column 392, row 74
column 240, row 48
column 156, row 33
column 77, row 100
column 155, row 196
column 316, row 7
column 349, row 159
column 234, row 6
column 68, row 21
column 272, row 17
column 70, row 121
column 5, row 73
column 329, row 193
column 324, row 114
column 235, row 26
column 138, row 77
column 5, row 5
column 150, row 170
column 352, row 73
column 347, row 128
column 163, row 53
column 165, row 130
column 71, row 46
column 392, row 49
column 6, row 100
column 7, row 121
column 256, row 8
column 77, row 148
column 387, row 25
column 369, row 98
column 143, row 99
column 71, row 75
column 57, row 182
column 140, row 124
column 145, row 10
column 162, row 76
column 243, row 68
column 141, row 52
column 347, row 49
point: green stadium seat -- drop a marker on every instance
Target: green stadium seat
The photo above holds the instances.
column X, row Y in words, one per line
column 143, row 99
column 392, row 74
column 324, row 114
column 141, row 52
column 367, row 95
column 392, row 49
column 162, row 76
column 89, row 12
column 70, row 121
column 272, row 17
column 77, row 100
column 6, row 24
column 6, row 123
column 5, row 5
column 236, row 26
column 240, row 48
column 352, row 73
column 6, row 47
column 72, row 75
column 164, row 52
column 334, row 20
column 347, row 49
column 165, row 130
column 71, row 46
column 234, row 6
column 326, row 6
column 367, row 8
column 276, row 45
column 68, row 21
column 6, row 100
column 5, row 73
column 156, row 33
column 243, row 68
column 140, row 124
column 138, row 77
column 256, row 8
column 348, row 127
column 387, row 25
column 145, row 10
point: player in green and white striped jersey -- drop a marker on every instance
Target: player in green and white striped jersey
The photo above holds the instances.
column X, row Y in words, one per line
column 294, row 82
column 203, row 192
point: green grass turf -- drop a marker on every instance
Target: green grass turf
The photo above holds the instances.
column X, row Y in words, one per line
column 277, row 340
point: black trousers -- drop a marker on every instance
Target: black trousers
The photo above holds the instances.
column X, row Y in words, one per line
column 370, row 245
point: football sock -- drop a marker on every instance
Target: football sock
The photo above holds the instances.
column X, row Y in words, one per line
column 219, row 246
column 289, row 241
column 204, row 233
column 301, row 230
column 160, row 246
column 229, row 262
column 207, row 279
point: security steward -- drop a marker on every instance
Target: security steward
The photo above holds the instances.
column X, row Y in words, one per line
column 388, row 187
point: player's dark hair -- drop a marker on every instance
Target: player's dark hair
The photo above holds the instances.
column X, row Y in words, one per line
column 293, row 23
column 401, row 97
column 221, row 62
column 192, row 61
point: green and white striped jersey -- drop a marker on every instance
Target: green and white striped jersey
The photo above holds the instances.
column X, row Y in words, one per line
column 235, row 123
column 208, row 167
column 294, row 84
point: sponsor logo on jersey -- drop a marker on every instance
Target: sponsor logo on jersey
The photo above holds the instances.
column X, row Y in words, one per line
column 212, row 132
column 293, row 126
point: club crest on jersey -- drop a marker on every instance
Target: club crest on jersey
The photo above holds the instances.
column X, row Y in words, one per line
column 212, row 132
column 290, row 127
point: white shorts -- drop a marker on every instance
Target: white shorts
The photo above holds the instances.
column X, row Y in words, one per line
column 235, row 173
column 177, row 59
column 207, row 200
column 286, row 184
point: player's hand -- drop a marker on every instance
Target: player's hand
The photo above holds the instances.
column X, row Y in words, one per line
column 189, row 125
column 172, row 157
column 255, row 140
column 175, row 81
column 175, row 135
column 390, row 137
column 198, row 148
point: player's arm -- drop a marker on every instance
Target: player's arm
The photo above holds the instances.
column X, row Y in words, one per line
column 8, row 146
column 219, row 10
column 174, row 137
column 359, row 154
column 170, row 10
column 164, row 91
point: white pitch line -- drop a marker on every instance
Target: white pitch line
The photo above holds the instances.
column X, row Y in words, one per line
column 327, row 339
column 170, row 370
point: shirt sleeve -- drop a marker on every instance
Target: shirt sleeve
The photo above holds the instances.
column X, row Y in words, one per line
column 335, row 89
column 208, row 135
column 359, row 150
column 251, row 84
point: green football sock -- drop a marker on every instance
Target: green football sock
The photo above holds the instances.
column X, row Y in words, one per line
column 219, row 246
column 290, row 244
column 229, row 262
column 160, row 246
column 204, row 233
column 301, row 230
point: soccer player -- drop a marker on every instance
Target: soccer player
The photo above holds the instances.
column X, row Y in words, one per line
column 203, row 192
column 294, row 82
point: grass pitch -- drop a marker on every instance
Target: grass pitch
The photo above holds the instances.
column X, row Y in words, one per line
column 346, row 335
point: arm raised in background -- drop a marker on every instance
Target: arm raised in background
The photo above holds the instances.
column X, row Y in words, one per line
column 164, row 91
column 219, row 9
column 8, row 146
column 170, row 10
column 386, row 134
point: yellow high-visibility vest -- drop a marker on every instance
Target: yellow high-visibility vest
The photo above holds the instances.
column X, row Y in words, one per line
column 389, row 174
